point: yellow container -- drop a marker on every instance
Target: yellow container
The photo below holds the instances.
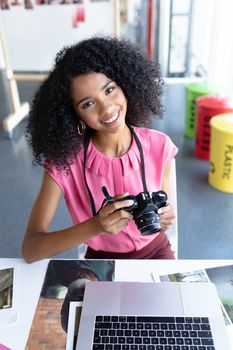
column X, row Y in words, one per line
column 221, row 152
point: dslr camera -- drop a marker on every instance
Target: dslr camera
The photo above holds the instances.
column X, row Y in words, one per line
column 144, row 209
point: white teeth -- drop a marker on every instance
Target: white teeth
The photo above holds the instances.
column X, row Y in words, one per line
column 111, row 120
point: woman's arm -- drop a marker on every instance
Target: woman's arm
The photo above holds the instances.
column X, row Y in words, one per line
column 167, row 214
column 38, row 243
column 166, row 179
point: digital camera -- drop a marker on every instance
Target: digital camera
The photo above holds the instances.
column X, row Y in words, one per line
column 144, row 209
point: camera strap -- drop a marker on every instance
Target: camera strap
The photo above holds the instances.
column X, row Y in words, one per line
column 142, row 159
column 86, row 142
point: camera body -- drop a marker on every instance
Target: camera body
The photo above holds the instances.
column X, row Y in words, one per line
column 145, row 210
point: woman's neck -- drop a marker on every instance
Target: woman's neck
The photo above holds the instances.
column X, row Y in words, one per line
column 113, row 145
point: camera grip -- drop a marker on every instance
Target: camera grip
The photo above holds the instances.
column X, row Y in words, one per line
column 110, row 200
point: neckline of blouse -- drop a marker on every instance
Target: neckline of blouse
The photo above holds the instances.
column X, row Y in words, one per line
column 100, row 163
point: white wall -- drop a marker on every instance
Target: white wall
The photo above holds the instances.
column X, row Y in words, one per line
column 164, row 35
column 212, row 44
column 33, row 37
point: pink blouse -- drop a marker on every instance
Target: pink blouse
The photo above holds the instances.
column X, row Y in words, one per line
column 118, row 175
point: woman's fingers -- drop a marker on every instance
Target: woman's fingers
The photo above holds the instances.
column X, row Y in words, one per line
column 119, row 196
column 167, row 216
column 113, row 218
column 111, row 208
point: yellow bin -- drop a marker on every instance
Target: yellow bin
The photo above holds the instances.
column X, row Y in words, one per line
column 221, row 152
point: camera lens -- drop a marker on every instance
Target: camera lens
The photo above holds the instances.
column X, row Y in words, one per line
column 148, row 223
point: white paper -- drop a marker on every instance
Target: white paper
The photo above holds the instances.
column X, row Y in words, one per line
column 72, row 323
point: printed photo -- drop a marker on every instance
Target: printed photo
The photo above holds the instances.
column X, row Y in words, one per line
column 64, row 283
column 191, row 276
column 75, row 312
column 222, row 277
column 6, row 288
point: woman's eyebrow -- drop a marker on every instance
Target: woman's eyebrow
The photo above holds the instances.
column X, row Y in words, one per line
column 105, row 85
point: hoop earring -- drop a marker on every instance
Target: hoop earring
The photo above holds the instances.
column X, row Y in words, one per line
column 81, row 128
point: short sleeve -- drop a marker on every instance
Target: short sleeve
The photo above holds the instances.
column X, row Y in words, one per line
column 170, row 150
column 56, row 174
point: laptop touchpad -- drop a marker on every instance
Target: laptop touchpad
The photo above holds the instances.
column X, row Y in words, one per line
column 150, row 299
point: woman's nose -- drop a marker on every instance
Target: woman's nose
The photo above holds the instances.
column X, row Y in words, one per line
column 107, row 107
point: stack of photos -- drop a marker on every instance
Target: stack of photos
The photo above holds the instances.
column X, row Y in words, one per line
column 64, row 284
column 6, row 288
column 8, row 295
column 221, row 276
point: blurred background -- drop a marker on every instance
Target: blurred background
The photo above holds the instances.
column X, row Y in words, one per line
column 191, row 40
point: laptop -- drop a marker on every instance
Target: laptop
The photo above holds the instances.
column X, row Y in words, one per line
column 151, row 316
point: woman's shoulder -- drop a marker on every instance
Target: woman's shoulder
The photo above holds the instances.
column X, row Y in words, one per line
column 154, row 139
column 65, row 170
column 150, row 134
column 156, row 143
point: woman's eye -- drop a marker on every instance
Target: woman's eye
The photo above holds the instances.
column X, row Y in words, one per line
column 110, row 89
column 87, row 104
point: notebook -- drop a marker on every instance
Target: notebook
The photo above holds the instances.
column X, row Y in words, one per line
column 151, row 316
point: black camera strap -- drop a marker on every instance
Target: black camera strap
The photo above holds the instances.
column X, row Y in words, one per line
column 86, row 142
column 141, row 157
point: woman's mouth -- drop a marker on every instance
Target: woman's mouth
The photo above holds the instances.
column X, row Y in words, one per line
column 112, row 119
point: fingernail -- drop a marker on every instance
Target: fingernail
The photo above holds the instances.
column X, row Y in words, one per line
column 160, row 211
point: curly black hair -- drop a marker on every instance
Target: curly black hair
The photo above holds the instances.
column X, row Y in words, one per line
column 52, row 126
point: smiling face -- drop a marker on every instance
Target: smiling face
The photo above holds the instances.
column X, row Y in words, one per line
column 99, row 102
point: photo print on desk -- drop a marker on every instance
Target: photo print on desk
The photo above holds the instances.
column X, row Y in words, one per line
column 221, row 276
column 75, row 312
column 6, row 288
column 9, row 290
column 64, row 283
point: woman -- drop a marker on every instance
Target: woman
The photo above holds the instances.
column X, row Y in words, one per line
column 84, row 129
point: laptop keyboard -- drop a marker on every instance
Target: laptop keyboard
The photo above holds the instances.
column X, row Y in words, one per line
column 152, row 333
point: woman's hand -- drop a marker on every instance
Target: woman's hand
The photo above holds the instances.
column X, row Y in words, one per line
column 112, row 218
column 167, row 217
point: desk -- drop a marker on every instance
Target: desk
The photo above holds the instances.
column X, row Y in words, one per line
column 31, row 277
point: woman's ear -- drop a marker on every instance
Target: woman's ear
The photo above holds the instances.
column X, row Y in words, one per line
column 81, row 127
